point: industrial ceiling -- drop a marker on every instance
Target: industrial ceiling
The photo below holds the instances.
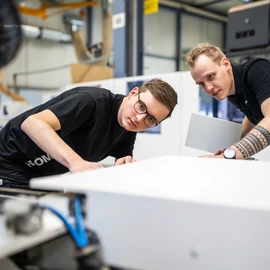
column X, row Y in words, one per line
column 220, row 7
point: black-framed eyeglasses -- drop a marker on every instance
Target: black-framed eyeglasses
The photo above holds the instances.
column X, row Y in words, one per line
column 149, row 120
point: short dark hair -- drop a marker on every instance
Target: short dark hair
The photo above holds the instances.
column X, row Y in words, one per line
column 162, row 92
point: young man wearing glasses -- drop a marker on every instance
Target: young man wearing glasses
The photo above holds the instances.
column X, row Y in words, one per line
column 75, row 130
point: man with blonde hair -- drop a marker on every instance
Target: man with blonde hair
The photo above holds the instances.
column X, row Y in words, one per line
column 246, row 85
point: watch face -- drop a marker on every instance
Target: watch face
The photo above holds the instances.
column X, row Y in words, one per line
column 229, row 153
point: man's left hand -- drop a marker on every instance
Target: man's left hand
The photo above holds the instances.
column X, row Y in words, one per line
column 212, row 156
column 124, row 160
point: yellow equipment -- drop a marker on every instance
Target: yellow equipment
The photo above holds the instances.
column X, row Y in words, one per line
column 65, row 7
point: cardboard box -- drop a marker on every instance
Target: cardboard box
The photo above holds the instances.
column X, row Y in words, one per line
column 86, row 73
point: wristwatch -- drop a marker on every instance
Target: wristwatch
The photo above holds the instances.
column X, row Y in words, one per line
column 229, row 153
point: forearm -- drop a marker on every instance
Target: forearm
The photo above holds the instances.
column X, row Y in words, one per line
column 255, row 141
column 48, row 140
column 247, row 126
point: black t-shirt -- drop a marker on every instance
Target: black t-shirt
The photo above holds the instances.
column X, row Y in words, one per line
column 252, row 86
column 88, row 117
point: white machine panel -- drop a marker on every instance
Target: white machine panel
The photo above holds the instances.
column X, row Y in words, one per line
column 177, row 212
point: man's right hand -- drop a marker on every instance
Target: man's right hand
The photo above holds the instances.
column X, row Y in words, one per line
column 83, row 165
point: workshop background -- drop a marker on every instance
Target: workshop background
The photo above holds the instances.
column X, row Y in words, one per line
column 118, row 45
column 66, row 42
column 152, row 43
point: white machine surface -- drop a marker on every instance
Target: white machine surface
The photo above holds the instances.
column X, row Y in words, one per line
column 177, row 212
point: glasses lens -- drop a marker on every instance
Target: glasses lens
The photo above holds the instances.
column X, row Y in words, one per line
column 150, row 121
column 139, row 107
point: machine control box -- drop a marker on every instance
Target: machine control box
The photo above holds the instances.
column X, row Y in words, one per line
column 248, row 26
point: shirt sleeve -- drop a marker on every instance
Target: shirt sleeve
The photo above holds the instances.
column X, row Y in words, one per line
column 258, row 79
column 74, row 111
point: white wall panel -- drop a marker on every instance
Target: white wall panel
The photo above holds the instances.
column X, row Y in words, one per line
column 196, row 30
column 154, row 65
column 159, row 33
column 97, row 24
column 39, row 55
